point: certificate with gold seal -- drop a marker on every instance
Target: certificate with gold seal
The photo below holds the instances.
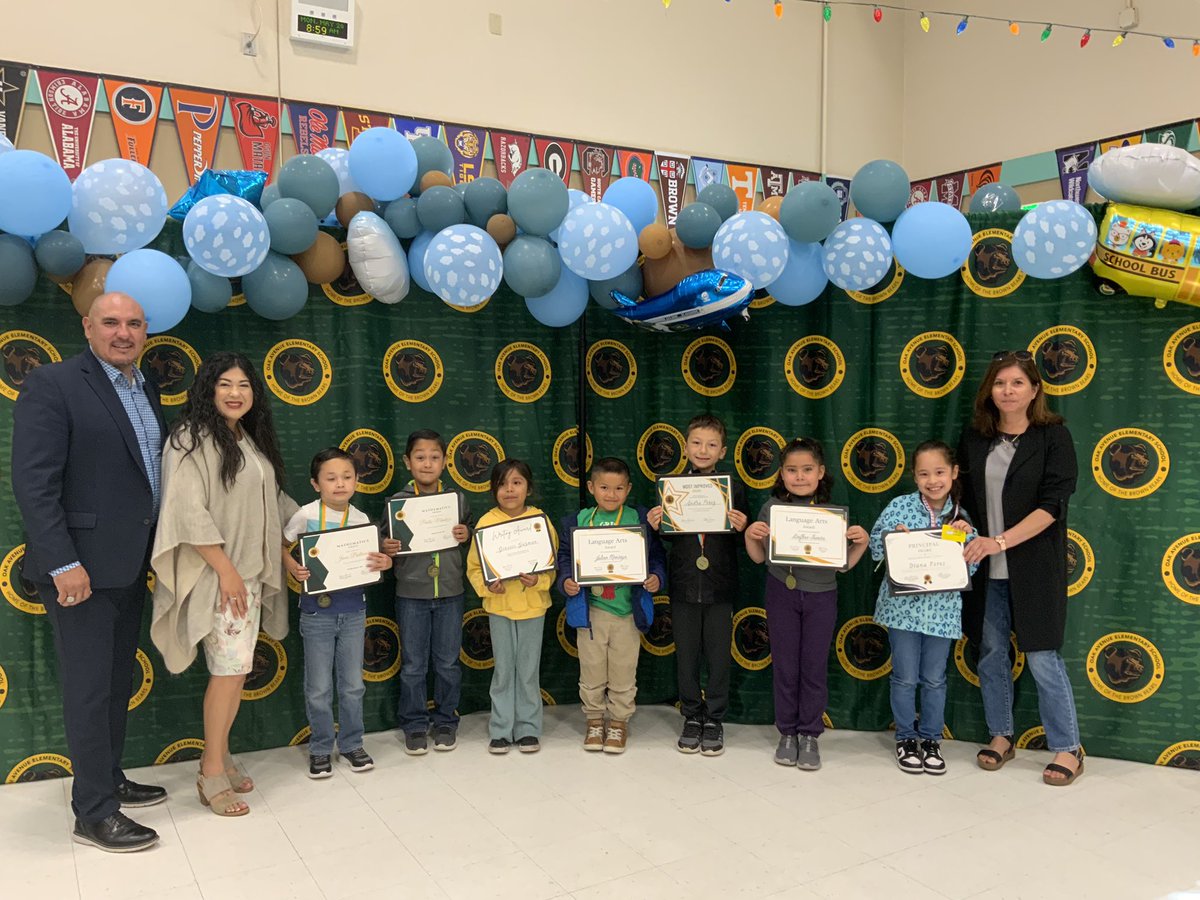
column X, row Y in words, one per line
column 694, row 504
column 803, row 535
column 923, row 562
column 423, row 524
column 517, row 547
column 337, row 559
column 609, row 554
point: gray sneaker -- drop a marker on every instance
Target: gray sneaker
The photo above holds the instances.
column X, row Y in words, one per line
column 416, row 743
column 788, row 750
column 445, row 737
column 808, row 757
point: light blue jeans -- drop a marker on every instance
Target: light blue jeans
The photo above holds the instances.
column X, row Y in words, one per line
column 333, row 641
column 1056, row 703
column 918, row 659
column 516, row 680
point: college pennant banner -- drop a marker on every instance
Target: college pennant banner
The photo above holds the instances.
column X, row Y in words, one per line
column 133, row 107
column 919, row 192
column 13, row 78
column 356, row 121
column 672, row 176
column 256, row 124
column 706, row 172
column 69, row 101
column 634, row 163
column 1176, row 134
column 595, row 165
column 799, row 176
column 774, row 180
column 557, row 155
column 314, row 126
column 510, row 152
column 1073, row 164
column 950, row 188
column 415, row 128
column 1120, row 140
column 841, row 187
column 983, row 175
column 744, row 181
column 198, row 122
column 467, row 144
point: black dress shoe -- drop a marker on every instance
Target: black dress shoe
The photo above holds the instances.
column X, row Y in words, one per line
column 133, row 794
column 116, row 834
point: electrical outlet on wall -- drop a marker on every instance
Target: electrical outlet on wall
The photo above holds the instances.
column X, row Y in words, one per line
column 249, row 44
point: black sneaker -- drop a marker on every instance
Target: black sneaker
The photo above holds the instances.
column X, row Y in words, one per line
column 712, row 740
column 689, row 738
column 933, row 763
column 529, row 744
column 445, row 737
column 416, row 743
column 359, row 760
column 499, row 746
column 117, row 834
column 908, row 757
column 319, row 767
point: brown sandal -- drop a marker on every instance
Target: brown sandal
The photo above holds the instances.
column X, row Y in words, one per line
column 991, row 760
column 1068, row 776
column 238, row 779
column 218, row 795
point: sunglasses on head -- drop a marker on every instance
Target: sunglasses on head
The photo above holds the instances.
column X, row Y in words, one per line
column 1023, row 355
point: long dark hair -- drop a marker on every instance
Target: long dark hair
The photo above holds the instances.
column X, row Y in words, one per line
column 812, row 446
column 199, row 418
column 501, row 470
column 948, row 452
column 986, row 418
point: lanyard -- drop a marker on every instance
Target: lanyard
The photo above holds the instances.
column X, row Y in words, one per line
column 437, row 556
column 616, row 521
column 936, row 517
column 345, row 516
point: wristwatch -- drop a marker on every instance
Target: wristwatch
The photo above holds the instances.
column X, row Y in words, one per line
column 999, row 539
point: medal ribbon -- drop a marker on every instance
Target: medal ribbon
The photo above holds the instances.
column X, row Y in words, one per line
column 608, row 592
column 345, row 516
column 437, row 556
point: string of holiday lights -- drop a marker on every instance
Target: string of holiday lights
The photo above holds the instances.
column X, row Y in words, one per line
column 927, row 17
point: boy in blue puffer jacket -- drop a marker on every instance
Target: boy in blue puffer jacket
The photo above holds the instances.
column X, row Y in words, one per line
column 609, row 619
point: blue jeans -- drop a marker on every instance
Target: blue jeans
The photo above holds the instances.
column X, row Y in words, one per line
column 918, row 659
column 333, row 642
column 1056, row 703
column 429, row 630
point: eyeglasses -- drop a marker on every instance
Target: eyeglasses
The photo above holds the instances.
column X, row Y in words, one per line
column 1023, row 355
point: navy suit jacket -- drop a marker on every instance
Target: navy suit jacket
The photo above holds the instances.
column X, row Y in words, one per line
column 78, row 474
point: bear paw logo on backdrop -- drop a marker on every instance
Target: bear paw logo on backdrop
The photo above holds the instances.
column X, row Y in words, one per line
column 269, row 668
column 709, row 366
column 611, row 369
column 298, row 372
column 568, row 637
column 170, row 365
column 966, row 659
column 989, row 270
column 3, row 686
column 1181, row 568
column 522, row 372
column 373, row 459
column 756, row 456
column 1130, row 463
column 1065, row 358
column 1181, row 358
column 814, row 367
column 345, row 289
column 659, row 639
column 23, row 351
column 862, row 648
column 1081, row 562
column 660, row 451
column 751, row 644
column 381, row 649
column 932, row 364
column 565, row 457
column 476, row 652
column 1181, row 755
column 413, row 370
column 887, row 287
column 1125, row 667
column 19, row 591
column 470, row 457
column 39, row 767
column 872, row 460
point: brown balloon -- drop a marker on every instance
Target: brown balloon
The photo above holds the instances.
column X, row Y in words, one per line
column 89, row 284
column 655, row 241
column 660, row 275
column 435, row 179
column 502, row 229
column 771, row 207
column 351, row 204
column 324, row 261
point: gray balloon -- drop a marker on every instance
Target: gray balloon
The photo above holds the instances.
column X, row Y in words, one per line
column 697, row 225
column 995, row 198
column 269, row 195
column 721, row 198
column 292, row 224
column 537, row 202
column 210, row 293
column 531, row 266
column 810, row 211
column 440, row 207
column 20, row 274
column 60, row 253
column 277, row 289
column 311, row 180
column 628, row 283
column 402, row 216
column 485, row 197
column 432, row 156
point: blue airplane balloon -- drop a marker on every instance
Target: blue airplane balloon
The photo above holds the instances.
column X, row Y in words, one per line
column 704, row 298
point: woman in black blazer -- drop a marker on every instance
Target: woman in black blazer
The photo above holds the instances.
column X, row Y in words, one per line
column 1018, row 473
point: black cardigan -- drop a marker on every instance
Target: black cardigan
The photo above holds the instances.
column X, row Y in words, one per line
column 1042, row 476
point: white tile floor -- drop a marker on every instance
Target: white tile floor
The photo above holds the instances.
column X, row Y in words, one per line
column 652, row 823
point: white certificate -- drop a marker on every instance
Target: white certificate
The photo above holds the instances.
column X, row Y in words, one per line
column 423, row 524
column 922, row 562
column 609, row 555
column 808, row 536
column 695, row 504
column 337, row 559
column 517, row 547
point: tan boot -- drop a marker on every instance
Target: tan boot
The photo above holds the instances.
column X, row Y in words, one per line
column 618, row 732
column 594, row 736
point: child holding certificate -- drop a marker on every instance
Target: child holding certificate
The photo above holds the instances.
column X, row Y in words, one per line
column 609, row 617
column 921, row 627
column 801, row 598
column 516, row 608
column 429, row 592
column 332, row 623
column 704, row 581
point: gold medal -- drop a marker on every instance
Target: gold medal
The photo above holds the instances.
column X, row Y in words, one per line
column 324, row 601
column 597, row 592
column 790, row 581
column 702, row 563
column 432, row 571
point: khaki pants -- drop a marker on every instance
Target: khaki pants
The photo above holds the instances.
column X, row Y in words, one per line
column 608, row 658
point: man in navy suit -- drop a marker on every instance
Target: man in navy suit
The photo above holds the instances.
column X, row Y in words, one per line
column 86, row 470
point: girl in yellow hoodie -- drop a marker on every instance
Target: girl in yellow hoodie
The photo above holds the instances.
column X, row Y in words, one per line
column 516, row 609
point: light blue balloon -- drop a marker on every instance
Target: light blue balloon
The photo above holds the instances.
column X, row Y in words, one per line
column 401, row 216
column 857, row 254
column 596, row 241
column 416, row 259
column 383, row 163
column 574, row 198
column 697, row 225
column 628, row 283
column 210, row 293
column 277, row 289
column 995, row 198
column 157, row 282
column 803, row 279
column 35, row 193
column 226, row 235
column 531, row 266
column 880, row 190
column 339, row 161
column 720, row 197
column 5, row 145
column 117, row 205
column 563, row 304
column 1054, row 239
column 538, row 201
column 752, row 245
column 60, row 253
column 463, row 265
column 931, row 240
column 292, row 224
column 20, row 274
column 636, row 199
